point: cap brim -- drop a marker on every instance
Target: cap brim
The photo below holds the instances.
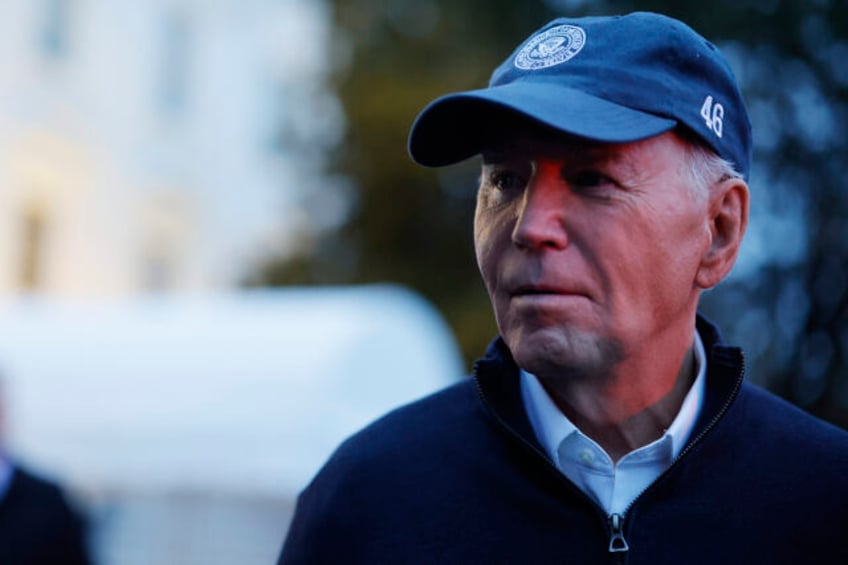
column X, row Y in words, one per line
column 456, row 127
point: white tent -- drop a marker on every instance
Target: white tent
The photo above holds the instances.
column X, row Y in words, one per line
column 240, row 395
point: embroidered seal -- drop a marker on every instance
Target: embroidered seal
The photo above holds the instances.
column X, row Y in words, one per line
column 552, row 47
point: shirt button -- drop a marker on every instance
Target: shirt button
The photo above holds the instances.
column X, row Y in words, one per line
column 586, row 456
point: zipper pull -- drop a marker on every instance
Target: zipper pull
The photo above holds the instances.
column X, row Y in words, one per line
column 617, row 542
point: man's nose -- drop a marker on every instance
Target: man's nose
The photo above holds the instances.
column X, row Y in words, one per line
column 541, row 216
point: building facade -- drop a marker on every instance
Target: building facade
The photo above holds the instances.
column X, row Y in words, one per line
column 145, row 145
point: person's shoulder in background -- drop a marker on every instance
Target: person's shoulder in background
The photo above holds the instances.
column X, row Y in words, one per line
column 38, row 524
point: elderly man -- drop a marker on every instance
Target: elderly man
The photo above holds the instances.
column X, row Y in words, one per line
column 608, row 422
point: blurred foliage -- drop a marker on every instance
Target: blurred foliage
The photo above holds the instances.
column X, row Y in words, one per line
column 410, row 224
column 787, row 301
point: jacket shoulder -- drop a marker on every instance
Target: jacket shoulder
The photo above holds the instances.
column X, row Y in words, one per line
column 418, row 426
column 392, row 469
column 792, row 422
column 774, row 434
column 38, row 524
column 36, row 491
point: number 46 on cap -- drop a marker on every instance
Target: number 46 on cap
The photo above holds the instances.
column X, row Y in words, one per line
column 712, row 114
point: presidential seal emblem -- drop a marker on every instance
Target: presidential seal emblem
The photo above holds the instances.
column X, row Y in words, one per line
column 552, row 47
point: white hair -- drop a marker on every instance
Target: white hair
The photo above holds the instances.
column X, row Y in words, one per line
column 706, row 168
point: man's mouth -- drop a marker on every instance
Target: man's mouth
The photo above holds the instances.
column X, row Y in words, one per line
column 544, row 290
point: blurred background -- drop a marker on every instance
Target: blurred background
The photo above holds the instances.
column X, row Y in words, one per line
column 217, row 260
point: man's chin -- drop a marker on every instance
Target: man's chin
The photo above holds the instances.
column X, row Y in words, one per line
column 546, row 353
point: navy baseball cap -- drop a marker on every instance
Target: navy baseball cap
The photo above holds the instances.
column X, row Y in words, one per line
column 611, row 79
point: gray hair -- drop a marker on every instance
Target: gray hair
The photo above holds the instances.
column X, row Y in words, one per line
column 706, row 168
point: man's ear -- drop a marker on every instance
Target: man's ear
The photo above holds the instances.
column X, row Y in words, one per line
column 728, row 219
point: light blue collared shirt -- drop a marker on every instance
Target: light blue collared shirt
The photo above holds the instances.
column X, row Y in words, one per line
column 587, row 464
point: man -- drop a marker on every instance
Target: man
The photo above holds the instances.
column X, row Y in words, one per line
column 608, row 422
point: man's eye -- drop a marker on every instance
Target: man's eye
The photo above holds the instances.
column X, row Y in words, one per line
column 507, row 181
column 588, row 179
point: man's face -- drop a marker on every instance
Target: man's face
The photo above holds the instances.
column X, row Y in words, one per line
column 588, row 252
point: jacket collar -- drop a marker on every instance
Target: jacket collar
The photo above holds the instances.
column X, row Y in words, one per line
column 498, row 381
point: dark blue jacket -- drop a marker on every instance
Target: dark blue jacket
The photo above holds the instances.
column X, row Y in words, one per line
column 38, row 525
column 459, row 477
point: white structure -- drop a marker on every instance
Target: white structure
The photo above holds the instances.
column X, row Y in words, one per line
column 188, row 426
column 156, row 144
column 171, row 146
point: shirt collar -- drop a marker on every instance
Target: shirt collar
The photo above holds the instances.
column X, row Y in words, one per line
column 683, row 424
column 552, row 426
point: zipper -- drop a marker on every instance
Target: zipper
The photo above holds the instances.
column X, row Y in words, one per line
column 617, row 542
column 533, row 449
column 618, row 545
